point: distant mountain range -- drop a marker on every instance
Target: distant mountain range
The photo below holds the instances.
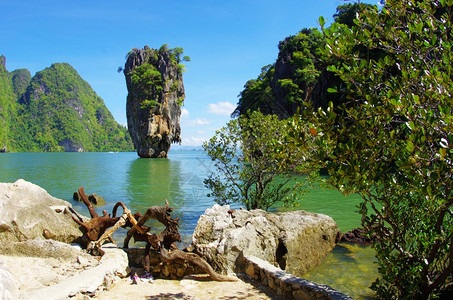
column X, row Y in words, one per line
column 55, row 110
column 176, row 148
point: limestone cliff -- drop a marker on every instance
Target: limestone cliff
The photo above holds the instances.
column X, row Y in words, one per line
column 298, row 75
column 288, row 68
column 155, row 95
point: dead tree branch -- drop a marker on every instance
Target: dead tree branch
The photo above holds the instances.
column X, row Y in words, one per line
column 166, row 238
column 100, row 228
column 196, row 260
column 96, row 227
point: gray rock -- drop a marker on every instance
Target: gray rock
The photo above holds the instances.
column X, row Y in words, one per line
column 41, row 248
column 7, row 286
column 28, row 212
column 71, row 146
column 294, row 241
column 154, row 127
column 52, row 285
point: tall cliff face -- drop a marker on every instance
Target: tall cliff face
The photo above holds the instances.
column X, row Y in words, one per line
column 155, row 95
column 297, row 76
column 63, row 113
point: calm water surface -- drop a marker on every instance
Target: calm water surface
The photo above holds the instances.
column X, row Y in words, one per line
column 141, row 183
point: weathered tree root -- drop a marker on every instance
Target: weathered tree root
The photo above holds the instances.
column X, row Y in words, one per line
column 96, row 227
column 196, row 260
column 121, row 223
column 97, row 233
column 166, row 238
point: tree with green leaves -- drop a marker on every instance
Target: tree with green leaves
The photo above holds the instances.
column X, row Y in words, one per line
column 346, row 13
column 392, row 141
column 248, row 169
column 257, row 94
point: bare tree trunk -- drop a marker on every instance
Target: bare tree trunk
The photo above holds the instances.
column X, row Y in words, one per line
column 196, row 260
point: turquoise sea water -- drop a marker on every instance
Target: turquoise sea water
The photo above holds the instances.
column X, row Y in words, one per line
column 141, row 183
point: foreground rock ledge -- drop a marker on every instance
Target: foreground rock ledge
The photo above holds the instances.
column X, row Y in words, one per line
column 229, row 235
column 294, row 241
column 36, row 260
column 53, row 277
column 113, row 263
column 28, row 212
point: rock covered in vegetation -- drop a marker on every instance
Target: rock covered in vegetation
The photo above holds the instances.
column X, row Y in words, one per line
column 7, row 102
column 295, row 57
column 28, row 212
column 294, row 241
column 297, row 76
column 55, row 110
column 155, row 95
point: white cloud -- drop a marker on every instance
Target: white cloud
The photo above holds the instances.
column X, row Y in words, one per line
column 184, row 112
column 194, row 122
column 193, row 141
column 222, row 108
column 199, row 121
column 185, row 121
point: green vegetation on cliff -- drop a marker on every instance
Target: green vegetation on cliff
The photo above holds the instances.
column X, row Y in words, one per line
column 56, row 110
column 7, row 103
column 148, row 78
column 154, row 80
column 298, row 76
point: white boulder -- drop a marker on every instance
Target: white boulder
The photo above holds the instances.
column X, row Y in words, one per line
column 295, row 241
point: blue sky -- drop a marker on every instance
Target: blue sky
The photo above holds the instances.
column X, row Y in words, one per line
column 228, row 43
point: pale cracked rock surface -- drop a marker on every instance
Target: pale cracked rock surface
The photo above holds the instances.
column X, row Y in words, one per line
column 191, row 287
column 57, row 278
column 294, row 241
column 28, row 212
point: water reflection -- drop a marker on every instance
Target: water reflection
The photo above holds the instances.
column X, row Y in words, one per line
column 141, row 183
column 340, row 269
column 150, row 182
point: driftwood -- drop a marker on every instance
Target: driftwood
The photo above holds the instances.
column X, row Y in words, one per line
column 100, row 228
column 126, row 220
column 166, row 238
column 96, row 227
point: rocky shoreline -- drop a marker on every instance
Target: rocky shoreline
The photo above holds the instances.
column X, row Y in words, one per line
column 39, row 260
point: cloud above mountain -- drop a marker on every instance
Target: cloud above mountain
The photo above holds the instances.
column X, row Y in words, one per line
column 221, row 108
